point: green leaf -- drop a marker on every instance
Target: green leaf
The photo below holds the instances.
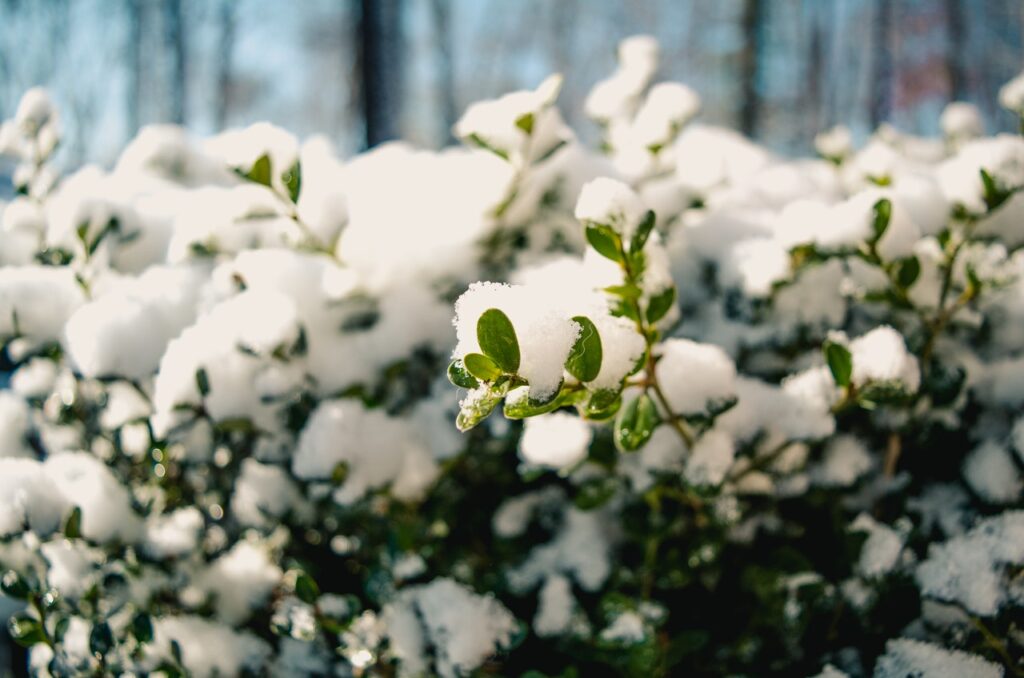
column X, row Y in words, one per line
column 261, row 171
column 840, row 362
column 25, row 630
column 660, row 304
column 292, row 179
column 306, row 589
column 477, row 408
column 101, row 639
column 460, row 376
column 602, row 404
column 142, row 627
column 974, row 283
column 883, row 213
column 480, row 142
column 907, row 271
column 203, row 382
column 481, row 367
column 519, row 404
column 995, row 195
column 584, row 360
column 497, row 339
column 605, row 241
column 627, row 291
column 73, row 525
column 110, row 227
column 643, row 232
column 525, row 123
column 13, row 585
column 635, row 423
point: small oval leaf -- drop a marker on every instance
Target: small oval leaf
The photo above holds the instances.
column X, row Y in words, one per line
column 292, row 179
column 660, row 304
column 840, row 362
column 635, row 423
column 883, row 213
column 25, row 629
column 306, row 589
column 477, row 407
column 73, row 525
column 643, row 232
column 481, row 367
column 585, row 358
column 498, row 340
column 460, row 376
column 604, row 240
column 261, row 171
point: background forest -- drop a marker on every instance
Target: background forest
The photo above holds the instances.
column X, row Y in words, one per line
column 407, row 68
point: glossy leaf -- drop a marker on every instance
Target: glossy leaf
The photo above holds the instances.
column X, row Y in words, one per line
column 643, row 232
column 261, row 171
column 292, row 180
column 907, row 271
column 460, row 376
column 635, row 423
column 603, row 404
column 605, row 241
column 306, row 589
column 481, row 367
column 25, row 630
column 585, row 358
column 73, row 525
column 660, row 304
column 498, row 340
column 883, row 214
column 477, row 409
column 840, row 362
column 13, row 585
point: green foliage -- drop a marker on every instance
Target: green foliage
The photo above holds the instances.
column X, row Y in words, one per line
column 481, row 367
column 498, row 340
column 460, row 375
column 635, row 423
column 584, row 361
column 839, row 361
column 882, row 217
column 605, row 241
column 292, row 179
column 261, row 171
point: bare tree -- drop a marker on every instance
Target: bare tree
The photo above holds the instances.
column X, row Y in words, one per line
column 174, row 37
column 225, row 48
column 750, row 104
column 882, row 75
column 955, row 50
column 380, row 68
column 442, row 14
column 133, row 53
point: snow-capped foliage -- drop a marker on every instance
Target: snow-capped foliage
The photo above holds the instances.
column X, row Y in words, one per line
column 772, row 406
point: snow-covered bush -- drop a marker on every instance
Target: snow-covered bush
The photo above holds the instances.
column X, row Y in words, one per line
column 715, row 412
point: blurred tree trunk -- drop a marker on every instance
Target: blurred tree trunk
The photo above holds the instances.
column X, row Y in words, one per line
column 442, row 11
column 815, row 95
column 750, row 104
column 955, row 31
column 174, row 36
column 134, row 59
column 225, row 48
column 380, row 53
column 881, row 77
